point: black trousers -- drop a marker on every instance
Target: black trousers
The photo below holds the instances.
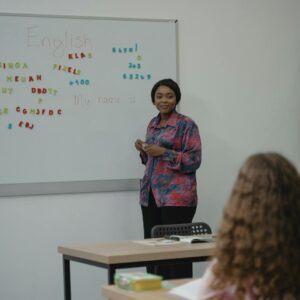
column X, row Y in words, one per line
column 153, row 215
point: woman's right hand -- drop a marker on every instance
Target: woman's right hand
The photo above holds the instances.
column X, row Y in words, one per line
column 139, row 145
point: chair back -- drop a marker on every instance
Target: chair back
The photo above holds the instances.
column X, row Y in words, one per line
column 196, row 228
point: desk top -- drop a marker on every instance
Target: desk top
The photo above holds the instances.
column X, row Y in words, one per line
column 112, row 292
column 131, row 251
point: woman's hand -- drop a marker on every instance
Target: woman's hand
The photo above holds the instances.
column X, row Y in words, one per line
column 139, row 145
column 150, row 149
column 153, row 150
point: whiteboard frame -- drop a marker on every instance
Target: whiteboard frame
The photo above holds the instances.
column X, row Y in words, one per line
column 70, row 187
column 87, row 17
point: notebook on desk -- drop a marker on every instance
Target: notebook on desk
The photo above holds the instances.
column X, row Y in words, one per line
column 178, row 239
column 203, row 238
column 158, row 242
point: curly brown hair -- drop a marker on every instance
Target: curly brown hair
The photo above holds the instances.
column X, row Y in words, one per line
column 259, row 237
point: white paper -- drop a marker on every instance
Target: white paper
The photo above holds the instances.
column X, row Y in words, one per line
column 188, row 290
column 157, row 242
column 194, row 238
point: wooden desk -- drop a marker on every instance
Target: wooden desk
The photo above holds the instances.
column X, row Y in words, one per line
column 112, row 292
column 128, row 254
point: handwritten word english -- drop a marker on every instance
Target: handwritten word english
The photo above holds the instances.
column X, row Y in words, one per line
column 66, row 69
column 59, row 44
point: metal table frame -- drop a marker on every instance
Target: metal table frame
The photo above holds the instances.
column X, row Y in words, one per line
column 111, row 268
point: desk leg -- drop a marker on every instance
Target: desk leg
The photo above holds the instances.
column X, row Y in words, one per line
column 111, row 274
column 67, row 279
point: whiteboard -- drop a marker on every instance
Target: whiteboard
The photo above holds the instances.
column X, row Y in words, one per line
column 75, row 95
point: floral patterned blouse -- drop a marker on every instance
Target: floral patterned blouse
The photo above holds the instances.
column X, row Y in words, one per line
column 172, row 176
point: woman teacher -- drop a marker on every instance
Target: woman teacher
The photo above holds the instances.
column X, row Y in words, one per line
column 171, row 153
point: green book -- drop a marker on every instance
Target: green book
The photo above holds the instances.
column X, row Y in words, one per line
column 137, row 281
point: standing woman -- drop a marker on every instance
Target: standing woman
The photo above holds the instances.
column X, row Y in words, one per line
column 171, row 154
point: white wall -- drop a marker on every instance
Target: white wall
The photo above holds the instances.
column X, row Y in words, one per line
column 239, row 64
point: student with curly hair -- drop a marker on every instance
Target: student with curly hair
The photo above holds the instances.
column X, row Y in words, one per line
column 257, row 253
